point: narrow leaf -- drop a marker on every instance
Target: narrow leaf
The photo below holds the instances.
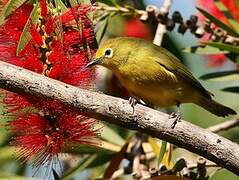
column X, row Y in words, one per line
column 84, row 2
column 162, row 151
column 233, row 57
column 223, row 46
column 110, row 135
column 100, row 160
column 219, row 74
column 167, row 158
column 155, row 145
column 219, row 23
column 103, row 147
column 102, row 29
column 11, row 6
column 82, row 165
column 206, row 50
column 6, row 153
column 55, row 175
column 73, row 3
column 227, row 14
column 61, row 6
column 237, row 3
column 26, row 36
column 234, row 89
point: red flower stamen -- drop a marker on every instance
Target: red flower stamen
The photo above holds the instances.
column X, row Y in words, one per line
column 40, row 138
column 42, row 128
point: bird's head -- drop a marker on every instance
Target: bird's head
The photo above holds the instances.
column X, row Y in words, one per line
column 111, row 54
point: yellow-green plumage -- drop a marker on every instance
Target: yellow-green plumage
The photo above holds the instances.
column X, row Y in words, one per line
column 153, row 74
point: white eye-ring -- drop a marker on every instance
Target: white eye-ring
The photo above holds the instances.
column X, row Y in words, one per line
column 108, row 52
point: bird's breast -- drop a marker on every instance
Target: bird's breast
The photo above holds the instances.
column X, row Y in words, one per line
column 161, row 93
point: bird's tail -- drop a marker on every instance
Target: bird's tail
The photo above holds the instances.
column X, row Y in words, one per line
column 214, row 107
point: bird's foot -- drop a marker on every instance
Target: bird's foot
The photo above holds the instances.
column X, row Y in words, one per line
column 133, row 102
column 176, row 116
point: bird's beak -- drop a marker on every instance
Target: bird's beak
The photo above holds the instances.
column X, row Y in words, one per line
column 93, row 62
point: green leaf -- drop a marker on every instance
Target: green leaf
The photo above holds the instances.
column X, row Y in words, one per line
column 6, row 153
column 73, row 3
column 233, row 57
column 56, row 177
column 223, row 46
column 11, row 6
column 100, row 160
column 202, row 49
column 237, row 3
column 61, row 5
column 82, row 165
column 84, row 2
column 102, row 29
column 88, row 162
column 86, row 149
column 110, row 135
column 26, row 36
column 219, row 23
column 234, row 89
column 162, row 151
column 224, row 75
column 227, row 14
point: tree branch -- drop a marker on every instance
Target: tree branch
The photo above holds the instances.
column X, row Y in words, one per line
column 118, row 111
column 224, row 126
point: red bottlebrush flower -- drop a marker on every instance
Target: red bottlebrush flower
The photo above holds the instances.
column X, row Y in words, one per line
column 135, row 28
column 13, row 26
column 45, row 127
column 15, row 102
column 36, row 36
column 75, row 13
column 41, row 138
column 79, row 14
column 209, row 5
column 43, row 8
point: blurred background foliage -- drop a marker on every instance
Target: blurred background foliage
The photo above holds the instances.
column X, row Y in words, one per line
column 84, row 162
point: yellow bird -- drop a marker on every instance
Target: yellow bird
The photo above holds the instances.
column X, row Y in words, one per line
column 154, row 75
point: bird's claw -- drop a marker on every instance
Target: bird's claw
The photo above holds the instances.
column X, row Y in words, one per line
column 176, row 116
column 133, row 102
column 173, row 115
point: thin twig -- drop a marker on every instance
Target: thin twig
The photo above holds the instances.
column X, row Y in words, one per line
column 224, row 126
column 160, row 16
column 104, row 7
column 161, row 28
column 150, row 13
column 118, row 111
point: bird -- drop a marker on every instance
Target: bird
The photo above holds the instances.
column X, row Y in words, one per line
column 154, row 75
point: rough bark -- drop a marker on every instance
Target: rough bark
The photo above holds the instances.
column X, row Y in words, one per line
column 118, row 111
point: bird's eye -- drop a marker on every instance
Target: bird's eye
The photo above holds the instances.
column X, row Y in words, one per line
column 108, row 52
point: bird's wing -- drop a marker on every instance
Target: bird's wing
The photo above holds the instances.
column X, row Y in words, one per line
column 173, row 65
